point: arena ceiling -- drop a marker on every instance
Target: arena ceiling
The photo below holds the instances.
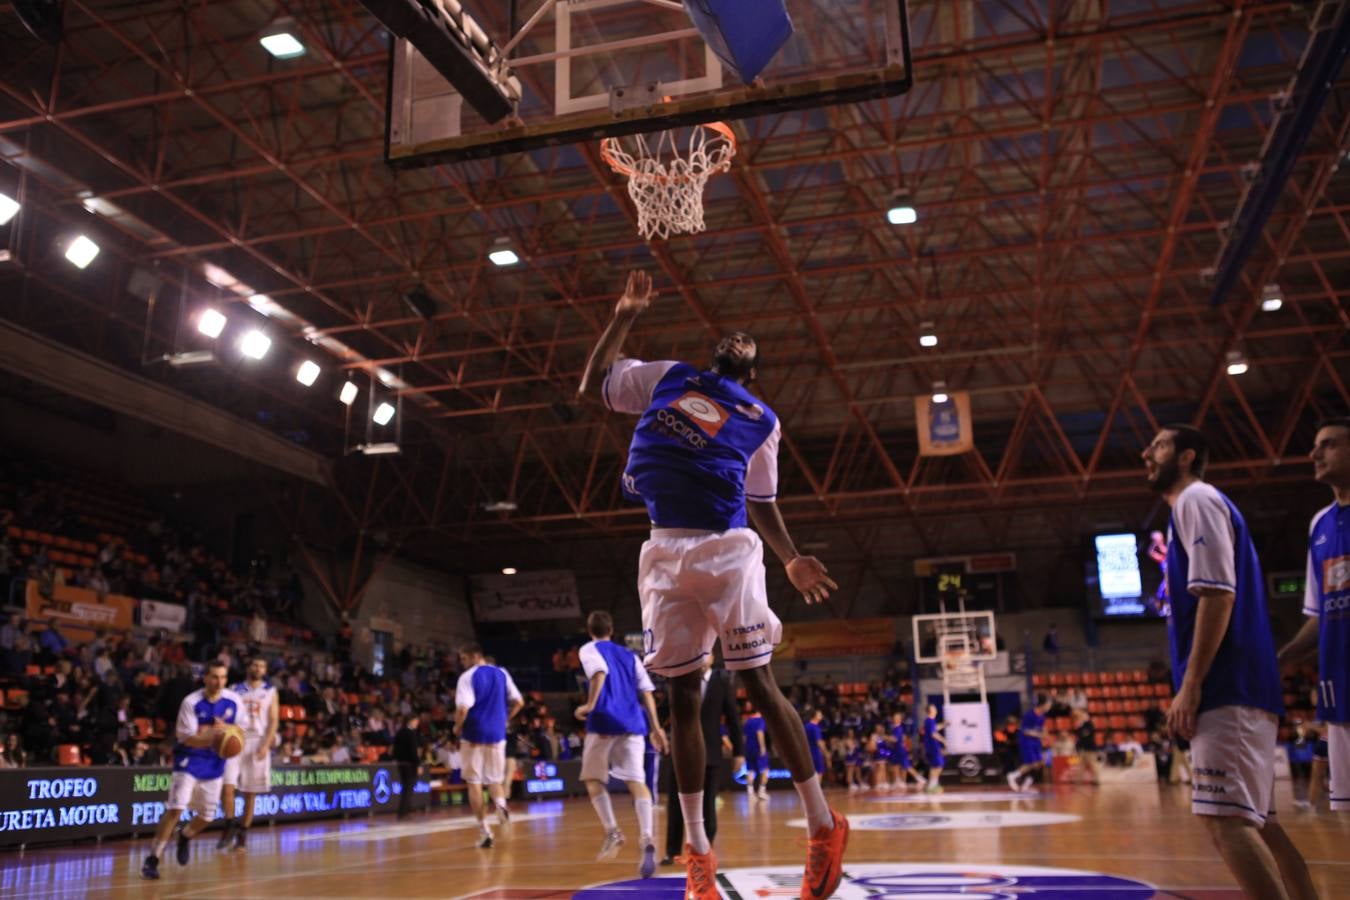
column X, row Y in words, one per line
column 1074, row 165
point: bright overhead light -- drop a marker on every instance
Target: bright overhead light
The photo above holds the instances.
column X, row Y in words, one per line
column 211, row 323
column 255, row 344
column 282, row 45
column 81, row 251
column 308, row 373
column 940, row 392
column 500, row 506
column 1272, row 298
column 382, row 449
column 509, row 570
column 9, row 208
column 383, row 413
column 348, row 393
column 1237, row 363
column 501, row 253
column 927, row 335
column 902, row 211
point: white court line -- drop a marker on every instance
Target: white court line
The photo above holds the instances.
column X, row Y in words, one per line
column 387, row 832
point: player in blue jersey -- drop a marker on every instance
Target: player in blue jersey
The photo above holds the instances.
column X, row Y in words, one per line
column 815, row 741
column 755, row 731
column 619, row 713
column 1030, row 745
column 198, row 769
column 1326, row 603
column 704, row 460
column 934, row 745
column 901, row 764
column 486, row 699
column 1228, row 695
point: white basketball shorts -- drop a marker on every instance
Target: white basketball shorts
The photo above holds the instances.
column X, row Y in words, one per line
column 699, row 586
column 247, row 773
column 620, row 755
column 202, row 797
column 1233, row 763
column 1338, row 757
column 483, row 763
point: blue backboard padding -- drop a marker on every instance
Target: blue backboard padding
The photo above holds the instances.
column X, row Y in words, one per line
column 745, row 34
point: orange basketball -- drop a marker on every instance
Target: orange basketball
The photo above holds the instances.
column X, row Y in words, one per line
column 230, row 742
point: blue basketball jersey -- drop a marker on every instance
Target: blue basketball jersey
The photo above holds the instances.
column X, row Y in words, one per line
column 1328, row 598
column 931, row 746
column 813, row 742
column 753, row 729
column 618, row 710
column 1031, row 721
column 1208, row 545
column 486, row 692
column 693, row 444
column 195, row 713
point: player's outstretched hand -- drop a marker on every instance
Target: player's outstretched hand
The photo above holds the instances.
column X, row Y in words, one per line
column 808, row 575
column 637, row 294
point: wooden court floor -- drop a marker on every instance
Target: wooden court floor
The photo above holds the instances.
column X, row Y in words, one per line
column 960, row 844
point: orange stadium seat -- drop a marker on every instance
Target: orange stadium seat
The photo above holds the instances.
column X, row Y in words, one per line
column 68, row 755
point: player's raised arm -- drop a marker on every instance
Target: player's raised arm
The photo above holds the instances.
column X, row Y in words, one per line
column 637, row 296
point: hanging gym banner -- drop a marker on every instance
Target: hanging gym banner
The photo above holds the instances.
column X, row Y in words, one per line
column 944, row 428
column 526, row 595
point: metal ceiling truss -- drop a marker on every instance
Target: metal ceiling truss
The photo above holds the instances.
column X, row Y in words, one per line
column 1073, row 165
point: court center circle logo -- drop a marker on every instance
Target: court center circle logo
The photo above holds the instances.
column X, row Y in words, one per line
column 918, row 881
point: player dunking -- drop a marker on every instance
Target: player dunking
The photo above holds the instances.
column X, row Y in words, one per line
column 1326, row 602
column 619, row 713
column 485, row 700
column 197, row 768
column 1228, row 696
column 702, row 459
column 250, row 771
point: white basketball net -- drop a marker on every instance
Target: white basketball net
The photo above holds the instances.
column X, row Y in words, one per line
column 669, row 195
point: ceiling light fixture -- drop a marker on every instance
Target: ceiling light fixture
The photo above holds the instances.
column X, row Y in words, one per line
column 383, row 413
column 255, row 344
column 348, row 394
column 9, row 208
column 1237, row 363
column 308, row 373
column 501, row 253
column 927, row 335
column 81, row 251
column 211, row 323
column 902, row 211
column 940, row 392
column 1272, row 298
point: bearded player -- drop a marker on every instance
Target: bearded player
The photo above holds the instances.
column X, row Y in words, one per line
column 704, row 459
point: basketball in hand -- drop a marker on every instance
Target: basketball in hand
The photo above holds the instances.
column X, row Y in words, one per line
column 230, row 741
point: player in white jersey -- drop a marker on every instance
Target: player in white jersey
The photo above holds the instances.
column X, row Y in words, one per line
column 250, row 771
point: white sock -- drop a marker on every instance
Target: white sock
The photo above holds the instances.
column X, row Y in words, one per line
column 813, row 801
column 605, row 810
column 643, row 807
column 692, row 807
column 500, row 803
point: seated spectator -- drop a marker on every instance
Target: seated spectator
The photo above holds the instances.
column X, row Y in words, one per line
column 12, row 755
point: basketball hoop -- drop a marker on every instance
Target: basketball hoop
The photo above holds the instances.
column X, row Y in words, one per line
column 666, row 182
column 959, row 670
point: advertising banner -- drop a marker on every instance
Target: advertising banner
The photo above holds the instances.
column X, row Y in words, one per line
column 836, row 637
column 155, row 614
column 526, row 595
column 79, row 607
column 968, row 729
column 69, row 803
